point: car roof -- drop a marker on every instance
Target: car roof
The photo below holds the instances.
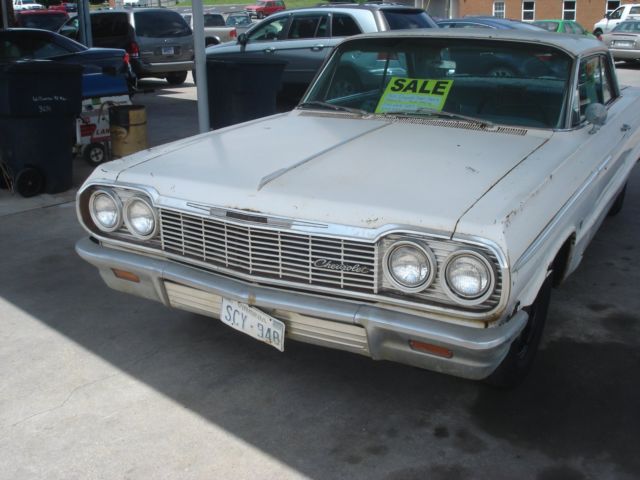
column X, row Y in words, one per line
column 575, row 45
column 492, row 22
column 358, row 6
column 42, row 11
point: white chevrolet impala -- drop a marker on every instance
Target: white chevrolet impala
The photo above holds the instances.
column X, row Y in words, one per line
column 417, row 206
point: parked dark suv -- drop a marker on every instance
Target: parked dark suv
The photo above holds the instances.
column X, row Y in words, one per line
column 159, row 41
column 304, row 37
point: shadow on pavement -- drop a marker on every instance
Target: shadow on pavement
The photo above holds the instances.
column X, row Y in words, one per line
column 330, row 414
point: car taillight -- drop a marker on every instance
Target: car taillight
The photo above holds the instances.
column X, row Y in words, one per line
column 134, row 50
column 126, row 59
column 233, row 33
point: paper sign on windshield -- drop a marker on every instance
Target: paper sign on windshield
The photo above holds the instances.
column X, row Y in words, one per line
column 411, row 94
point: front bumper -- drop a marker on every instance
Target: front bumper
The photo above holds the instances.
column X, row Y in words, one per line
column 143, row 68
column 625, row 54
column 358, row 327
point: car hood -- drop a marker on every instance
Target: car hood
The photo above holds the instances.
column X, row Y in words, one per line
column 328, row 168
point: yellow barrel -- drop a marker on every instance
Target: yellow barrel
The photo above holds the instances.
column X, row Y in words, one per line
column 128, row 125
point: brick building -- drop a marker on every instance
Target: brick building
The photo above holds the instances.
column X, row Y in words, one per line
column 586, row 12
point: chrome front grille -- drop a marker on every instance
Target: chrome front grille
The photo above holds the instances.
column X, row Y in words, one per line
column 270, row 254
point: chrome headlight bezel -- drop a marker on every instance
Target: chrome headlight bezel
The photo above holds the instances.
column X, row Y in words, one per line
column 92, row 211
column 127, row 220
column 458, row 297
column 429, row 256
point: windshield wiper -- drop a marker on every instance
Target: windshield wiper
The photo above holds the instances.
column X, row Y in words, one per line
column 440, row 113
column 331, row 106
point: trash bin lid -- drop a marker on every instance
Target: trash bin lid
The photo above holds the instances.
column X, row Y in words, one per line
column 41, row 66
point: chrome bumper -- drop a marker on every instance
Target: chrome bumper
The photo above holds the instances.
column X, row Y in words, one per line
column 165, row 67
column 353, row 326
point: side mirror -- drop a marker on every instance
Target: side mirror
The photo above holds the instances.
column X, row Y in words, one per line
column 243, row 39
column 596, row 114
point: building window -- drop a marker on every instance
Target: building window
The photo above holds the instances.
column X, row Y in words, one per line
column 612, row 5
column 528, row 11
column 498, row 9
column 569, row 10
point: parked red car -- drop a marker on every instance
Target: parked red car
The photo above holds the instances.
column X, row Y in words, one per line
column 264, row 8
column 45, row 19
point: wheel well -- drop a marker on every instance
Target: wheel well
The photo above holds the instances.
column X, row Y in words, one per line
column 561, row 261
column 597, row 32
column 211, row 41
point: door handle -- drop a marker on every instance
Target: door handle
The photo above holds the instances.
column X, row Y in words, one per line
column 269, row 50
column 317, row 48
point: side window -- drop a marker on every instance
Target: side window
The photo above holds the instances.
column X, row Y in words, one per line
column 304, row 26
column 343, row 26
column 616, row 14
column 269, row 30
column 594, row 86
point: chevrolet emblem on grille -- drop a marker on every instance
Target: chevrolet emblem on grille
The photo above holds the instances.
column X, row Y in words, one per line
column 343, row 267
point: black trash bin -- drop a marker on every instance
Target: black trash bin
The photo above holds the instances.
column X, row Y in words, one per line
column 39, row 101
column 241, row 89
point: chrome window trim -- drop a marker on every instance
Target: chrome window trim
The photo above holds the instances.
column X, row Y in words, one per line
column 370, row 235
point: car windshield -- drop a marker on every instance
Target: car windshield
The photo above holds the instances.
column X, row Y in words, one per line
column 500, row 82
column 551, row 26
column 628, row 27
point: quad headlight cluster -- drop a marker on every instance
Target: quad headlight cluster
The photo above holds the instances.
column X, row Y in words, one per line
column 465, row 275
column 109, row 212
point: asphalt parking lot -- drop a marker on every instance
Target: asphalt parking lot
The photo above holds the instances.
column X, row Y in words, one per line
column 98, row 384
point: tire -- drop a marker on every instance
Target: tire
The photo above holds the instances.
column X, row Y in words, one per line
column 618, row 202
column 176, row 78
column 94, row 154
column 516, row 365
column 29, row 182
column 346, row 82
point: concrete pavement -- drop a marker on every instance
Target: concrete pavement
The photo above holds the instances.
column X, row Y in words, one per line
column 98, row 384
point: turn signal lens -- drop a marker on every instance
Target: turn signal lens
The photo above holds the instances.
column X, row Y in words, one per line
column 124, row 275
column 430, row 348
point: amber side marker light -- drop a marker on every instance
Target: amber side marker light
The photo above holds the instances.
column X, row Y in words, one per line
column 124, row 275
column 432, row 349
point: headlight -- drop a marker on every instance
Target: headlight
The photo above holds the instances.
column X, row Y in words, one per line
column 409, row 266
column 140, row 218
column 106, row 210
column 468, row 277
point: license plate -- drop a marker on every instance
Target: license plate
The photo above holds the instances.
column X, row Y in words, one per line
column 253, row 322
column 167, row 50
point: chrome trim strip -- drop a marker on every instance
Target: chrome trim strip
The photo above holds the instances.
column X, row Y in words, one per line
column 544, row 234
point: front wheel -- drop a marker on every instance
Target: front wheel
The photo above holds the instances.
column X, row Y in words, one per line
column 618, row 202
column 516, row 365
column 176, row 78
